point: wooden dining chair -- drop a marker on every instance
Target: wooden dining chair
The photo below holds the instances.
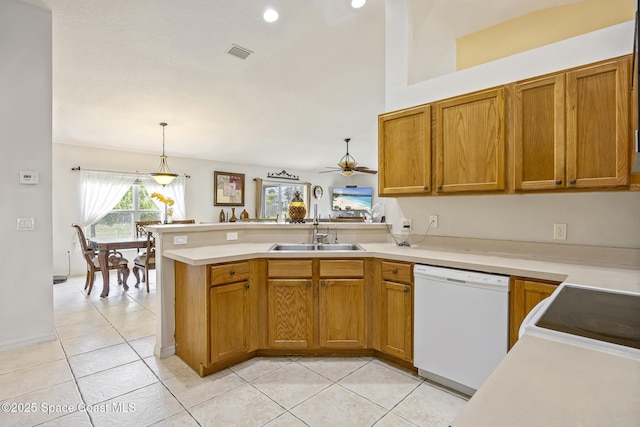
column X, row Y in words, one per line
column 183, row 221
column 141, row 227
column 145, row 262
column 115, row 261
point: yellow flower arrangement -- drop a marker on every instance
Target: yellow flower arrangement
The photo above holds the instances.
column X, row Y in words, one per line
column 168, row 202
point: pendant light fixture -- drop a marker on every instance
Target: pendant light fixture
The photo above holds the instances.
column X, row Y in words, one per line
column 164, row 175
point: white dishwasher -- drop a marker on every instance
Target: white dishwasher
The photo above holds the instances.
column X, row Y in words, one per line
column 461, row 325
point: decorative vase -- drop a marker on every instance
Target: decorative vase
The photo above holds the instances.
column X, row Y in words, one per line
column 244, row 215
column 233, row 215
column 297, row 209
column 221, row 216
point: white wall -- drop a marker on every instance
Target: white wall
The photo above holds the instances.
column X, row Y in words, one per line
column 199, row 189
column 26, row 297
column 597, row 218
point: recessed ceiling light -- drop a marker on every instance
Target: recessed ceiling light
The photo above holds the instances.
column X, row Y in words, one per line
column 356, row 4
column 270, row 15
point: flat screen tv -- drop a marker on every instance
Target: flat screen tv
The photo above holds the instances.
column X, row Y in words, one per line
column 351, row 198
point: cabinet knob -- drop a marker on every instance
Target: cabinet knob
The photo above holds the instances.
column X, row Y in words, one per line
column 323, row 283
column 426, row 187
column 439, row 186
column 308, row 284
column 558, row 181
column 406, row 289
column 572, row 181
column 232, row 272
column 394, row 271
column 246, row 286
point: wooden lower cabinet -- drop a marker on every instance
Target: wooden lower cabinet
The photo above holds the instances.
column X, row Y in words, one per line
column 229, row 312
column 214, row 319
column 229, row 316
column 341, row 313
column 290, row 301
column 393, row 296
column 290, row 321
column 524, row 295
column 341, row 303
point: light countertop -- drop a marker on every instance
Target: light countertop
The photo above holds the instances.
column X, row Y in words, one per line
column 548, row 383
column 612, row 277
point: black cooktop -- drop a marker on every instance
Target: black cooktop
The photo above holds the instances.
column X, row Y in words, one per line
column 594, row 313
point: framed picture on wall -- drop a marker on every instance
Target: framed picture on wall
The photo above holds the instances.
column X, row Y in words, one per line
column 229, row 189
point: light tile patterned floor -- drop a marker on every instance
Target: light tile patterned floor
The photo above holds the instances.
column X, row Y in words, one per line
column 102, row 372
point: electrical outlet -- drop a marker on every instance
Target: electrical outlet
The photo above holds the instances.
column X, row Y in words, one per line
column 433, row 221
column 180, row 240
column 232, row 236
column 559, row 231
column 405, row 224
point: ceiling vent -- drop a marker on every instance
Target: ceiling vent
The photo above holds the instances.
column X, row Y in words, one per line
column 238, row 51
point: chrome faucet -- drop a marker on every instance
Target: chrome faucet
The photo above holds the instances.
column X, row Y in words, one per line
column 317, row 237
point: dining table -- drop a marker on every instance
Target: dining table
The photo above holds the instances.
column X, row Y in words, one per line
column 107, row 245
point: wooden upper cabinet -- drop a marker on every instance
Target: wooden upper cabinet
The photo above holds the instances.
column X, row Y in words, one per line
column 539, row 134
column 404, row 152
column 470, row 142
column 598, row 125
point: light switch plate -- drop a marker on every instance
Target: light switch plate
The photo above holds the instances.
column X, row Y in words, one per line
column 26, row 224
column 232, row 236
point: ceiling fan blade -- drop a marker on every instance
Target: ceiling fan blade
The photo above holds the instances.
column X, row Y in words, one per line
column 368, row 171
column 364, row 169
column 333, row 170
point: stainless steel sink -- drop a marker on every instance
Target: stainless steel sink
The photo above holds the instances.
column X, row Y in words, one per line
column 339, row 247
column 305, row 247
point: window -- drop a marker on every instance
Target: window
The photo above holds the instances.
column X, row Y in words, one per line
column 276, row 197
column 135, row 205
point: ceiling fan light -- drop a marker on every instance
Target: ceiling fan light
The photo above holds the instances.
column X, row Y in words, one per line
column 164, row 175
column 347, row 172
column 357, row 4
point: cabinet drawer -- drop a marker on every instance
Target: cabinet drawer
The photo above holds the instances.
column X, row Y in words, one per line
column 228, row 273
column 342, row 268
column 290, row 268
column 397, row 272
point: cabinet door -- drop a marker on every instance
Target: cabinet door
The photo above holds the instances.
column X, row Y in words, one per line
column 397, row 318
column 290, row 320
column 524, row 296
column 341, row 312
column 404, row 152
column 539, row 134
column 598, row 134
column 470, row 153
column 229, row 317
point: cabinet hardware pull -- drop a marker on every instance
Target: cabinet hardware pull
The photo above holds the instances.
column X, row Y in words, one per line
column 572, row 181
column 246, row 286
column 406, row 289
column 308, row 284
column 440, row 187
column 394, row 271
column 558, row 181
column 232, row 272
column 426, row 187
column 323, row 283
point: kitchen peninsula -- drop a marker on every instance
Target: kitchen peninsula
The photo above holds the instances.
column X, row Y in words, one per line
column 603, row 267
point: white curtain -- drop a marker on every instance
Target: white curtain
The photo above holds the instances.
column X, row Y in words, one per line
column 175, row 190
column 100, row 192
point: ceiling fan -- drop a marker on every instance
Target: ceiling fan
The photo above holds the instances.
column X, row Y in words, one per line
column 348, row 165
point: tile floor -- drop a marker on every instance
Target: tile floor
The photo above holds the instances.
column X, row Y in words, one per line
column 102, row 372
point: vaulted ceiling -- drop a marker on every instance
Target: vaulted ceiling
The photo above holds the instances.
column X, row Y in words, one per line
column 315, row 77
